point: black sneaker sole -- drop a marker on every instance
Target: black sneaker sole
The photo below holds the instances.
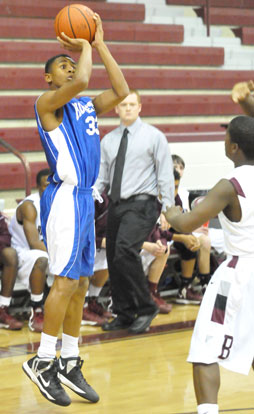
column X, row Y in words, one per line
column 27, row 370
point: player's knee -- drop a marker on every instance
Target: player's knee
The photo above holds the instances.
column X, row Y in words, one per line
column 41, row 264
column 9, row 257
column 84, row 282
column 205, row 242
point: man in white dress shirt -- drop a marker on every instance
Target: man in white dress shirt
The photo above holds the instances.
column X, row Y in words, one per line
column 146, row 173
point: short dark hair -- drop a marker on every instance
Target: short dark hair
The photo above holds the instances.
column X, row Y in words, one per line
column 178, row 160
column 176, row 175
column 42, row 173
column 50, row 61
column 241, row 132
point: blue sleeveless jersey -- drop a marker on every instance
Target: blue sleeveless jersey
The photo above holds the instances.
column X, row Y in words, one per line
column 73, row 148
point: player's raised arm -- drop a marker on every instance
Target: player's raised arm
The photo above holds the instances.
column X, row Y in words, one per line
column 108, row 99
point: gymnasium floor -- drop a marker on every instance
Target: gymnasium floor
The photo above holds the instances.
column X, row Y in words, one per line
column 144, row 374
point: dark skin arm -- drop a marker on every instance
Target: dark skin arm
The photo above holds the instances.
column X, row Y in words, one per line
column 222, row 197
column 57, row 97
column 108, row 99
column 27, row 214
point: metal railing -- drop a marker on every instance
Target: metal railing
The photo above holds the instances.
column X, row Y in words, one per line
column 25, row 163
column 208, row 17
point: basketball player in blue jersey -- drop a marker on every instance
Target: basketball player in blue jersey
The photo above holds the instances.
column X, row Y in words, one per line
column 69, row 134
column 224, row 330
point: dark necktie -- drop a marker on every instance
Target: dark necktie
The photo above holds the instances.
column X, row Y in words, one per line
column 120, row 158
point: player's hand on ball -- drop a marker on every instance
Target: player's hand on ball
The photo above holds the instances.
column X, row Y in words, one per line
column 99, row 34
column 241, row 91
column 171, row 212
column 74, row 45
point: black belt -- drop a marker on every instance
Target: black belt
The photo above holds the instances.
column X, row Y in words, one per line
column 137, row 197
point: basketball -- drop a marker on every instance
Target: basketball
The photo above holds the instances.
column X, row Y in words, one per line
column 196, row 201
column 76, row 21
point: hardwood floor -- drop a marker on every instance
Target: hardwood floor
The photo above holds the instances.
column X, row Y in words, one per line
column 144, row 374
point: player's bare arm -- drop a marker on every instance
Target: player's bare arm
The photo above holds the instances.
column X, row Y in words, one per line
column 222, row 197
column 242, row 94
column 108, row 99
column 66, row 81
column 27, row 214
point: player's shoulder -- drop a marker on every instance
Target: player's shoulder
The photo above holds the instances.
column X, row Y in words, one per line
column 44, row 97
column 240, row 172
column 30, row 202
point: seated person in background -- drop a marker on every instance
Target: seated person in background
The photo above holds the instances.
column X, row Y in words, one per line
column 202, row 233
column 183, row 193
column 93, row 312
column 154, row 256
column 25, row 229
column 155, row 253
column 187, row 245
column 8, row 264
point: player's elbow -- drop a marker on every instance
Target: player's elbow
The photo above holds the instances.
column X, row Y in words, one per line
column 82, row 82
column 122, row 91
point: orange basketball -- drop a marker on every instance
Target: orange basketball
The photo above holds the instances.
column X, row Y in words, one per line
column 76, row 21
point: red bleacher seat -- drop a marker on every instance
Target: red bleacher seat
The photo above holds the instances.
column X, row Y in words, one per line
column 227, row 16
column 113, row 31
column 32, row 78
column 33, row 52
column 23, row 139
column 20, row 107
column 49, row 8
column 27, row 139
column 213, row 3
column 13, row 176
column 246, row 34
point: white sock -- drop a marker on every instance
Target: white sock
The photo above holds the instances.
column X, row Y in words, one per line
column 69, row 346
column 94, row 290
column 208, row 409
column 4, row 301
column 36, row 298
column 47, row 348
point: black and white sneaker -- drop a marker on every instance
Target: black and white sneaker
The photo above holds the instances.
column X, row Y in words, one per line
column 43, row 372
column 70, row 374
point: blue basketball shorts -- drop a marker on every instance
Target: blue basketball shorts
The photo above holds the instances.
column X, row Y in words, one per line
column 67, row 220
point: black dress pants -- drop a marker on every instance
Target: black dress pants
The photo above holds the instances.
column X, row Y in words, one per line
column 128, row 226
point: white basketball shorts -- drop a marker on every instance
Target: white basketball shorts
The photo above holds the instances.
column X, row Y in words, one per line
column 224, row 329
column 26, row 262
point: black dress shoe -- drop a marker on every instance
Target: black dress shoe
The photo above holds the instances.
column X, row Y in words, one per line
column 142, row 323
column 116, row 324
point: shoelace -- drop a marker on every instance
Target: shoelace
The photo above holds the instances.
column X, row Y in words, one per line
column 77, row 370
